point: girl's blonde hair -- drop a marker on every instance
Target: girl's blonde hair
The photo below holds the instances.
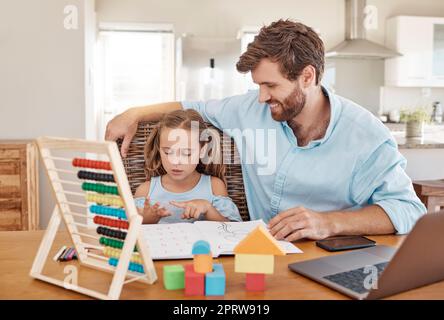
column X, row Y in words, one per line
column 182, row 119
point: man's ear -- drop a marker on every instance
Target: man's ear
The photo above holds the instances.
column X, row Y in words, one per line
column 308, row 77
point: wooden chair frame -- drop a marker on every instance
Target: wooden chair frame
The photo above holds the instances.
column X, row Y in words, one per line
column 134, row 164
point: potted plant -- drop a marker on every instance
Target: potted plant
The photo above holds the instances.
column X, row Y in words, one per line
column 415, row 120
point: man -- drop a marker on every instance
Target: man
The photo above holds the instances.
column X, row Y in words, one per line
column 338, row 169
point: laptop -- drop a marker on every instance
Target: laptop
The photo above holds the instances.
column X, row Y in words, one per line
column 381, row 271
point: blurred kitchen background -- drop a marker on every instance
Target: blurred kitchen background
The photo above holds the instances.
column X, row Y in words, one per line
column 68, row 66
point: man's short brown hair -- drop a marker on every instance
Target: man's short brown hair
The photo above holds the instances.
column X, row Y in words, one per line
column 292, row 45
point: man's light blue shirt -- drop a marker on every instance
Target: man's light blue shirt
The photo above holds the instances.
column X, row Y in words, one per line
column 355, row 164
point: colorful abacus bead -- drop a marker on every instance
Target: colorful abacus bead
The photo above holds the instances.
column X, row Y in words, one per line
column 105, row 199
column 132, row 266
column 115, row 253
column 88, row 175
column 107, row 211
column 136, row 259
column 113, row 243
column 94, row 164
column 111, row 233
column 99, row 188
column 120, row 224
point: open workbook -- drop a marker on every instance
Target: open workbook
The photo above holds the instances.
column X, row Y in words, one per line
column 175, row 240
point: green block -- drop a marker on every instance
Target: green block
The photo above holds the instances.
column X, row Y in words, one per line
column 174, row 277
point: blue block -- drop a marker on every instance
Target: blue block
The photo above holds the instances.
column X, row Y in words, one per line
column 215, row 281
column 201, row 247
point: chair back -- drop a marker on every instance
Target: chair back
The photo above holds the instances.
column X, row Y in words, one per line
column 134, row 165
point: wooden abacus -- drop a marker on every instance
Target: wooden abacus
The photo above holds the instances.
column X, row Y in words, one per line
column 106, row 200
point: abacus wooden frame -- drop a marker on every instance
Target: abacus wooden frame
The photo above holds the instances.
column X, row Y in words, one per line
column 63, row 213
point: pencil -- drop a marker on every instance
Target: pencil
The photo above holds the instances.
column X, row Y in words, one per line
column 59, row 253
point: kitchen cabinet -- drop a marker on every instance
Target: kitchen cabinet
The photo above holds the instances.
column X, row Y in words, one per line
column 420, row 40
column 438, row 51
column 18, row 186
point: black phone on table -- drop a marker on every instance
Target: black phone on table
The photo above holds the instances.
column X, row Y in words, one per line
column 345, row 243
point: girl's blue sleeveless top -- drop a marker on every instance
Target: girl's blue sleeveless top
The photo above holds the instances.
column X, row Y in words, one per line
column 202, row 190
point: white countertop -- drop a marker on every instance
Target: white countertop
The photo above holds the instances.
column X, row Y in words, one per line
column 433, row 136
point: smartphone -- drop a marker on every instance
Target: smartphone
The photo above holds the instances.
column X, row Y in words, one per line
column 345, row 243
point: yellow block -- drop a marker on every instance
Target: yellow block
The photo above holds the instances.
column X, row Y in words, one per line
column 259, row 241
column 203, row 263
column 254, row 263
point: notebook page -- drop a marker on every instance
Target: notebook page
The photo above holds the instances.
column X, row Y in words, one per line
column 226, row 235
column 172, row 241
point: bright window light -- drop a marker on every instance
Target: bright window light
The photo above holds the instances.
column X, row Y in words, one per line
column 135, row 68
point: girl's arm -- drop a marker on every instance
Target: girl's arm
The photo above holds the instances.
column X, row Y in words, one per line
column 194, row 208
column 219, row 189
column 150, row 214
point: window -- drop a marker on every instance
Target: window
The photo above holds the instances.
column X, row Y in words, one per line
column 135, row 66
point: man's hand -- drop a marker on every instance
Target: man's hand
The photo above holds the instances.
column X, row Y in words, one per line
column 123, row 125
column 297, row 223
column 192, row 209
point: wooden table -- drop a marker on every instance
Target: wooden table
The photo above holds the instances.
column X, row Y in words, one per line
column 431, row 193
column 18, row 248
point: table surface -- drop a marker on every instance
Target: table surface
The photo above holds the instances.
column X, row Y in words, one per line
column 18, row 248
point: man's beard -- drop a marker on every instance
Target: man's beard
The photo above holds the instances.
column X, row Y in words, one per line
column 291, row 106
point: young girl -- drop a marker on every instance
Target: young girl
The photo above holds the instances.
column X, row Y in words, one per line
column 183, row 183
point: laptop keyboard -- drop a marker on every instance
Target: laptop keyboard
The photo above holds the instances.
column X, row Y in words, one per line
column 354, row 279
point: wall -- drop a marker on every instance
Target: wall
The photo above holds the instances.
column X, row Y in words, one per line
column 219, row 18
column 209, row 29
column 394, row 98
column 42, row 83
column 350, row 81
column 388, row 9
column 224, row 18
column 424, row 164
column 358, row 80
column 404, row 98
column 42, row 71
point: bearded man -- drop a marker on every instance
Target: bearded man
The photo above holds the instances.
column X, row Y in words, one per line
column 338, row 170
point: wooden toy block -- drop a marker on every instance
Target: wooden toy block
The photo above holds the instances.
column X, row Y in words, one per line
column 194, row 282
column 201, row 247
column 259, row 241
column 174, row 277
column 215, row 281
column 254, row 263
column 203, row 263
column 255, row 282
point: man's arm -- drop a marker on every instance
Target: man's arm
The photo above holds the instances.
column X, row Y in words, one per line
column 370, row 220
column 224, row 113
column 298, row 223
column 380, row 186
column 125, row 124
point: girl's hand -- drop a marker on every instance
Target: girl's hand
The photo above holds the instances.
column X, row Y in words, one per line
column 193, row 208
column 154, row 210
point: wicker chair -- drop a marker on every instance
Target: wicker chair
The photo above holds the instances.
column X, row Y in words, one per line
column 134, row 163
